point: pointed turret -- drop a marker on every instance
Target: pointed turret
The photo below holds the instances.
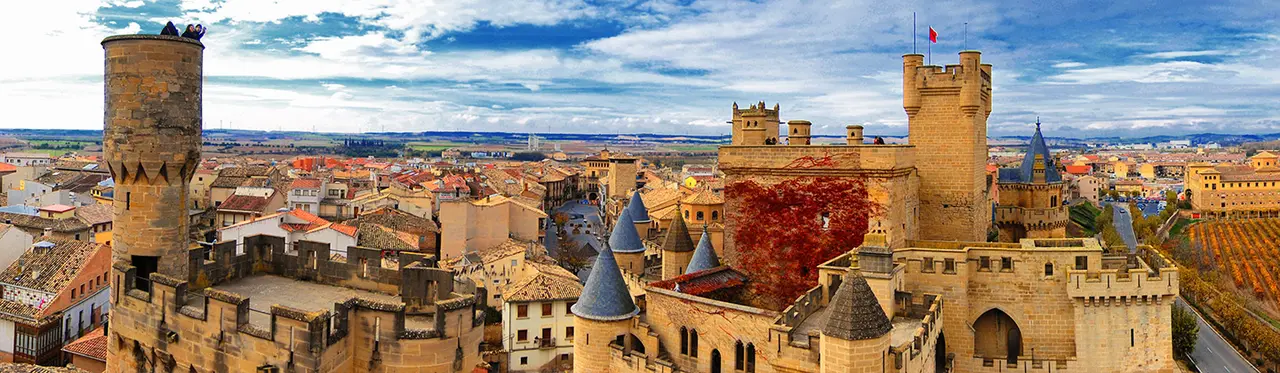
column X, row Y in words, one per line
column 603, row 312
column 1038, row 148
column 704, row 257
column 626, row 243
column 855, row 313
column 639, row 215
column 605, row 296
column 677, row 249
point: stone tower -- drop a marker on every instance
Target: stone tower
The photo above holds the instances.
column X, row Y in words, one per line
column 151, row 143
column 1030, row 201
column 755, row 125
column 625, row 242
column 603, row 312
column 639, row 215
column 947, row 113
column 856, row 336
column 798, row 132
column 677, row 248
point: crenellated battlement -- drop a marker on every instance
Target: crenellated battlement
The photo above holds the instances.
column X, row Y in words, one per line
column 1122, row 286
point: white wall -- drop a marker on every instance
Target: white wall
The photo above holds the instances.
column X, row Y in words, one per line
column 80, row 315
column 13, row 243
column 559, row 320
column 6, row 336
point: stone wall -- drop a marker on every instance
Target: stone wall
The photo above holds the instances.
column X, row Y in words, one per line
column 887, row 170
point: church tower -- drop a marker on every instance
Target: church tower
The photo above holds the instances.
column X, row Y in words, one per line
column 947, row 113
column 151, row 143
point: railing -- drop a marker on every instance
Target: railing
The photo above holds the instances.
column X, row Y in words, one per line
column 1014, row 214
column 545, row 342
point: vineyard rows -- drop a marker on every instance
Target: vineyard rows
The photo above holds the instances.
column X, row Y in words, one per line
column 1247, row 250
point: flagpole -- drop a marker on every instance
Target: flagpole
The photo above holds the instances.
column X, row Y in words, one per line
column 913, row 33
column 966, row 36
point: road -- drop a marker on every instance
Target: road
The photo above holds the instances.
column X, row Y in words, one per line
column 1124, row 225
column 1213, row 353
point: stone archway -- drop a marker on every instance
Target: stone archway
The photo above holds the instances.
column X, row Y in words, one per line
column 940, row 354
column 997, row 336
column 715, row 361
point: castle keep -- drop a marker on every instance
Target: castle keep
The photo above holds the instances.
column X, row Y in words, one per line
column 924, row 292
column 265, row 306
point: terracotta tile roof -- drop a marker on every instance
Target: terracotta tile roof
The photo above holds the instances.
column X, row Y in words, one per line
column 1079, row 170
column 95, row 214
column 658, row 197
column 49, row 270
column 247, row 171
column 396, row 220
column 40, row 223
column 546, row 282
column 92, row 345
column 228, row 181
column 505, row 249
column 703, row 282
column 244, row 203
column 703, row 197
column 305, row 183
column 344, row 229
column 375, row 236
column 28, row 368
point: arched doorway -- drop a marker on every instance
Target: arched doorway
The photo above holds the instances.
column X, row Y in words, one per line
column 997, row 336
column 940, row 354
column 715, row 361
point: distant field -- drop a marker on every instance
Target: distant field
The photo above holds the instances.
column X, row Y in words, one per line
column 50, row 152
column 300, row 142
column 433, row 146
column 693, row 148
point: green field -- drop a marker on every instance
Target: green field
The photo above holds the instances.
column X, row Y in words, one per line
column 433, row 146
column 1085, row 216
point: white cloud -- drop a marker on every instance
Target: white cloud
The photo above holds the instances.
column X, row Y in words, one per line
column 1183, row 54
column 1068, row 65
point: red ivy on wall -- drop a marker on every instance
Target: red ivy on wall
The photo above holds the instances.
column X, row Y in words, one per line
column 784, row 231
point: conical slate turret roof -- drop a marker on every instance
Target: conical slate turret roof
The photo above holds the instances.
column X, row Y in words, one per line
column 639, row 214
column 605, row 296
column 855, row 313
column 1026, row 172
column 704, row 257
column 624, row 238
column 677, row 237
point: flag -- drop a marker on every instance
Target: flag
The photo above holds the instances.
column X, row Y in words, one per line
column 933, row 35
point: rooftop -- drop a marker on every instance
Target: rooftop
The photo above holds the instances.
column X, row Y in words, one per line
column 92, row 345
column 266, row 290
column 239, row 202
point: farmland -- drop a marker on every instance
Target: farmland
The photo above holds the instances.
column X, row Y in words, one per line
column 1246, row 251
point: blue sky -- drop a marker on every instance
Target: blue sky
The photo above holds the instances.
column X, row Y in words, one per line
column 1125, row 68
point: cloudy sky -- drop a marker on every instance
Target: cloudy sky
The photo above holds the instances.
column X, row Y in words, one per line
column 660, row 66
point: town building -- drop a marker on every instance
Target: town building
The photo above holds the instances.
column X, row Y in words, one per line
column 537, row 324
column 924, row 292
column 89, row 353
column 195, row 308
column 293, row 226
column 53, row 293
column 26, row 159
column 1088, row 187
column 470, row 225
column 1226, row 190
column 1031, row 203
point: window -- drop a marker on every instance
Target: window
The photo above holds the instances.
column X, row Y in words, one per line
column 522, row 335
column 568, row 308
column 73, row 293
column 568, row 333
column 524, row 360
column 546, row 336
column 984, row 263
column 926, row 265
column 699, row 215
column 546, row 310
column 1006, row 264
column 522, row 311
column 739, row 356
column 949, row 266
column 1048, row 269
column 684, row 341
column 1082, row 262
column 693, row 343
column 686, row 214
column 715, row 215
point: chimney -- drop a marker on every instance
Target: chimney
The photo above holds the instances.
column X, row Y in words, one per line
column 47, row 232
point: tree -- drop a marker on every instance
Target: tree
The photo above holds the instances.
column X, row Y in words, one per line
column 786, row 230
column 571, row 256
column 1185, row 330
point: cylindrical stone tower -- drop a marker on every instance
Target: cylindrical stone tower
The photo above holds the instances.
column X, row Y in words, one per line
column 151, row 143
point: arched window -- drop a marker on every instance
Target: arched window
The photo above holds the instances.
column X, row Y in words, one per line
column 684, row 341
column 693, row 343
column 751, row 358
column 795, row 131
column 715, row 215
column 739, row 355
column 699, row 215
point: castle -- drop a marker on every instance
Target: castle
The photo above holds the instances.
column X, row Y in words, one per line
column 1030, row 196
column 924, row 292
column 265, row 306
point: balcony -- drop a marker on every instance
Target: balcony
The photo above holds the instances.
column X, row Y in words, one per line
column 545, row 342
